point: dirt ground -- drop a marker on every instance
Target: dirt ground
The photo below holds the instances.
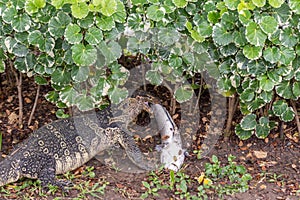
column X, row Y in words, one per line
column 273, row 163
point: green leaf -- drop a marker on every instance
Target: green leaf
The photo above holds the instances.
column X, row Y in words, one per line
column 117, row 95
column 52, row 96
column 120, row 15
column 9, row 14
column 94, row 36
column 73, row 34
column 68, row 95
column 111, row 51
column 35, row 37
column 155, row 13
column 213, row 16
column 80, row 10
column 105, row 23
column 84, row 55
column 295, row 6
column 154, row 77
column 108, row 7
column 247, row 95
column 241, row 133
column 266, row 84
column 40, row 80
column 288, row 115
column 168, row 36
column 232, row 4
column 86, row 22
column 255, row 35
column 284, row 89
column 276, row 3
column 296, row 89
column 259, row 3
column 248, row 122
column 60, row 113
column 279, row 107
column 268, row 24
column 183, row 93
column 20, row 50
column 288, row 38
column 221, row 35
column 252, row 52
column 58, row 24
column 21, row 23
column 271, row 54
column 2, row 66
column 180, row 3
column 57, row 3
column 256, row 104
column 263, row 128
column 80, row 74
column 84, row 103
column 60, row 77
column 287, row 55
column 266, row 96
column 275, row 77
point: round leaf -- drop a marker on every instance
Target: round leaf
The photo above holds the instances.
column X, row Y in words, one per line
column 296, row 89
column 288, row 115
column 284, row 90
column 180, row 3
column 155, row 12
column 21, row 23
column 154, row 77
column 116, row 95
column 80, row 10
column 108, row 7
column 221, row 35
column 105, row 23
column 268, row 24
column 279, row 107
column 73, row 34
column 93, row 36
column 255, row 35
column 276, row 3
column 84, row 103
column 259, row 3
column 266, row 84
column 252, row 52
column 271, row 54
column 243, row 134
column 58, row 24
column 80, row 74
column 84, row 55
column 248, row 122
column 183, row 93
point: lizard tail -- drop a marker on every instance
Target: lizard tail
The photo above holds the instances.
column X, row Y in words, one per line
column 9, row 171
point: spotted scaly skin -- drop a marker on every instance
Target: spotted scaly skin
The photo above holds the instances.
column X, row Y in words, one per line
column 64, row 145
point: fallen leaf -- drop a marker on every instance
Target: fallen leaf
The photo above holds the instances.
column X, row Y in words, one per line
column 260, row 154
column 27, row 100
column 263, row 187
column 12, row 118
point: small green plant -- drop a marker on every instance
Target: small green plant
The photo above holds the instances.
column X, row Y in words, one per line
column 89, row 172
column 154, row 184
column 87, row 189
column 198, row 153
column 233, row 174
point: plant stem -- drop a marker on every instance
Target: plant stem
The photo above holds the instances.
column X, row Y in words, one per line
column 34, row 105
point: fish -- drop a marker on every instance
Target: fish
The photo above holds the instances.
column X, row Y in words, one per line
column 172, row 154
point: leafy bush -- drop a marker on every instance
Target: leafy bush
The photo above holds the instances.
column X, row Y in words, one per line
column 75, row 43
